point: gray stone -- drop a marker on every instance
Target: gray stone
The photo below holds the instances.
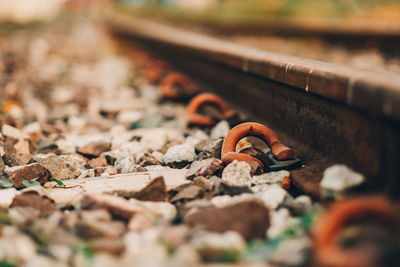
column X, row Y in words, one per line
column 189, row 193
column 236, row 178
column 220, row 130
column 280, row 221
column 179, row 156
column 299, row 205
column 338, row 179
column 125, row 163
column 212, row 149
column 45, row 145
column 204, row 168
column 273, row 196
column 270, row 178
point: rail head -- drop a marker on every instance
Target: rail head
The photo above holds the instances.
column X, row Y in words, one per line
column 377, row 93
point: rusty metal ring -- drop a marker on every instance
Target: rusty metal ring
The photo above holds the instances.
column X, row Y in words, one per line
column 193, row 118
column 167, row 90
column 327, row 252
column 279, row 150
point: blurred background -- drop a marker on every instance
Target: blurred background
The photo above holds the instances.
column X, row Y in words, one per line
column 363, row 34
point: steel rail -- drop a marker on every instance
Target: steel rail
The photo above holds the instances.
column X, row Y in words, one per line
column 330, row 113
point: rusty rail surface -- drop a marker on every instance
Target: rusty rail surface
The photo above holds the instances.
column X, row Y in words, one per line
column 327, row 113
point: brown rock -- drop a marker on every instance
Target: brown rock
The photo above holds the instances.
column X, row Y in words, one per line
column 115, row 246
column 147, row 160
column 31, row 172
column 117, row 206
column 155, row 191
column 140, row 222
column 2, row 166
column 204, row 168
column 24, row 146
column 249, row 218
column 19, row 159
column 94, row 149
column 8, row 147
column 109, row 169
column 98, row 223
column 209, row 149
column 96, row 162
column 50, row 129
column 188, row 193
column 33, row 200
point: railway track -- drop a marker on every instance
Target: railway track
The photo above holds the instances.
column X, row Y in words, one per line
column 328, row 113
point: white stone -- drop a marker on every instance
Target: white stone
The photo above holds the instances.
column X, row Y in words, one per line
column 161, row 211
column 220, row 130
column 228, row 241
column 12, row 132
column 220, row 201
column 155, row 141
column 145, row 245
column 31, row 128
column 280, row 220
column 304, row 201
column 128, row 117
column 225, row 200
column 62, row 94
column 273, row 196
column 125, row 163
column 339, row 178
column 15, row 246
column 76, row 123
column 270, row 178
column 179, row 153
column 237, row 173
column 6, row 197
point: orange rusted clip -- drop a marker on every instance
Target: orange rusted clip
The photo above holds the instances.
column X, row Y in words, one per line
column 185, row 87
column 328, row 251
column 194, row 118
column 229, row 154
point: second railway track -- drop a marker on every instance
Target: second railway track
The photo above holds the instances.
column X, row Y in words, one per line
column 328, row 113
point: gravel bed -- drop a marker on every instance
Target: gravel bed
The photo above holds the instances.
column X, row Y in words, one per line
column 98, row 170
